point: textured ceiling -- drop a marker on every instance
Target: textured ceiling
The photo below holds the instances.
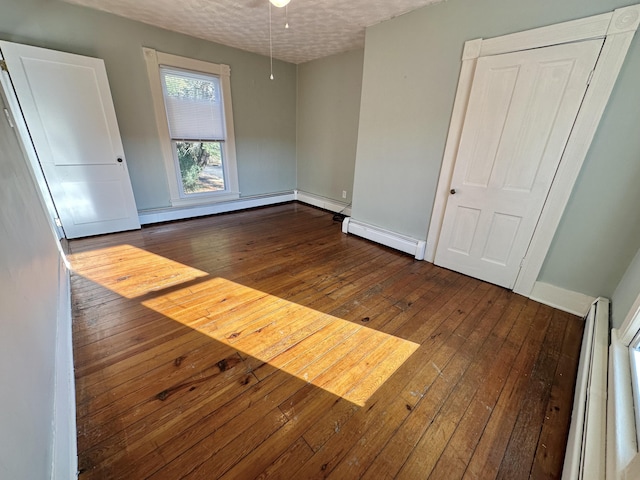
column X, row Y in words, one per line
column 317, row 28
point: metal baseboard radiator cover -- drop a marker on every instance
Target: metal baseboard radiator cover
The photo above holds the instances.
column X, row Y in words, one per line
column 585, row 455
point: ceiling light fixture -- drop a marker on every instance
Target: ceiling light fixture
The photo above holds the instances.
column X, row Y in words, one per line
column 279, row 3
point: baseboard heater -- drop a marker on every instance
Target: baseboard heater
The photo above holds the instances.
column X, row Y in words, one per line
column 385, row 237
column 585, row 454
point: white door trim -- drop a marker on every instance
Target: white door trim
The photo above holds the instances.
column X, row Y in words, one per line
column 618, row 28
column 28, row 150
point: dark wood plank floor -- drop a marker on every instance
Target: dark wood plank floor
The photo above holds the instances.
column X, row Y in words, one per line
column 267, row 344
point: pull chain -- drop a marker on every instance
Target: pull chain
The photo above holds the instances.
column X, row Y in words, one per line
column 270, row 44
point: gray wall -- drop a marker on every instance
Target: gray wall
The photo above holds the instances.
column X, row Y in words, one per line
column 626, row 292
column 264, row 110
column 29, row 263
column 328, row 110
column 600, row 230
column 411, row 68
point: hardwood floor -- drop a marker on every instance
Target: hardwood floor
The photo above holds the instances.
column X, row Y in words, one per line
column 267, row 344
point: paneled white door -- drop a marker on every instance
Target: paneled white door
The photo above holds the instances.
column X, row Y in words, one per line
column 68, row 109
column 521, row 110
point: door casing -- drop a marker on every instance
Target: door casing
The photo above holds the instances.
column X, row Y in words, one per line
column 617, row 28
column 29, row 151
column 521, row 112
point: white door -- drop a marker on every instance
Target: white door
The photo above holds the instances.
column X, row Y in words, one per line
column 68, row 109
column 521, row 110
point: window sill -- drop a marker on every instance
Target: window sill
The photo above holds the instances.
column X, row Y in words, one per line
column 205, row 199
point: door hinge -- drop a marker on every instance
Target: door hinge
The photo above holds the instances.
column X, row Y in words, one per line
column 590, row 77
column 522, row 263
column 58, row 222
column 3, row 66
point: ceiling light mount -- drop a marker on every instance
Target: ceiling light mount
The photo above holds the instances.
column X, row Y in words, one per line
column 279, row 3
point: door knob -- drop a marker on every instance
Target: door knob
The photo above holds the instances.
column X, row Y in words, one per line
column 453, row 191
column 119, row 160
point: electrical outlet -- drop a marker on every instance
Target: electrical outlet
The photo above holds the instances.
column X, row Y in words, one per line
column 344, row 194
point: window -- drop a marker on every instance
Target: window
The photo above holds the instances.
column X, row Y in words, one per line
column 196, row 127
column 192, row 102
column 623, row 457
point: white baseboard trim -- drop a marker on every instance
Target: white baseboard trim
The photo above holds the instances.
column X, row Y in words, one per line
column 323, row 202
column 565, row 300
column 385, row 237
column 180, row 213
column 169, row 214
column 64, row 441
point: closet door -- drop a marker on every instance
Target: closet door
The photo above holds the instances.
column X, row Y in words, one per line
column 68, row 110
column 521, row 111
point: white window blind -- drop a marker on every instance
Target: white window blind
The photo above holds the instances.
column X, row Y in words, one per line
column 193, row 104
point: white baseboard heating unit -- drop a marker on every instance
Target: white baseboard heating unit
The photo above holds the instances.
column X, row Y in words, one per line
column 585, row 454
column 385, row 237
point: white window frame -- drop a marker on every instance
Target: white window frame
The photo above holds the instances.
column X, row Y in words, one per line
column 623, row 456
column 154, row 61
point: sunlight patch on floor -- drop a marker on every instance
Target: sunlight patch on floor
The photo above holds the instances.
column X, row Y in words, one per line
column 344, row 358
column 130, row 271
